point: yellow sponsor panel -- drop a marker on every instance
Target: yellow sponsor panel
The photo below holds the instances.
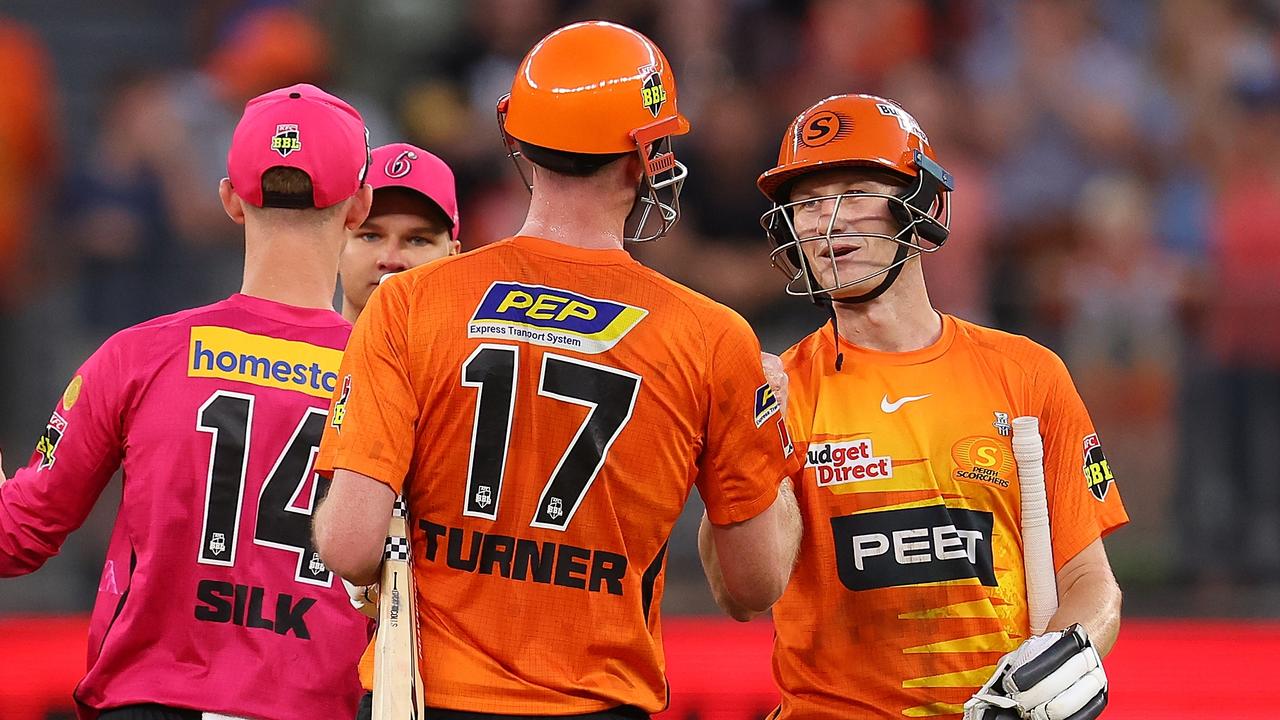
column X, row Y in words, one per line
column 228, row 354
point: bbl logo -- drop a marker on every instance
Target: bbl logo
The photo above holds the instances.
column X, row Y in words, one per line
column 401, row 165
column 286, row 139
column 1097, row 473
column 340, row 407
column 824, row 127
column 484, row 496
column 47, row 445
column 555, row 508
column 317, row 566
column 217, row 543
column 653, row 94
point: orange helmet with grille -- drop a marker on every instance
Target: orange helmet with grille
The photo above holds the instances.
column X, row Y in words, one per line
column 599, row 88
column 846, row 131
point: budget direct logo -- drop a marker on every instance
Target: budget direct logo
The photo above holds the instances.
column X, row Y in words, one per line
column 224, row 353
column 837, row 463
column 552, row 317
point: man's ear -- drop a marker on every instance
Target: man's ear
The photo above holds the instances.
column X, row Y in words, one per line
column 358, row 209
column 231, row 202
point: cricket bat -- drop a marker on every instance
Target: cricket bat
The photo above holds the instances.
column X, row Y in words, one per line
column 396, row 685
column 1037, row 543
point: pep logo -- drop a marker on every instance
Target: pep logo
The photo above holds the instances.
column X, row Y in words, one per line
column 224, row 353
column 837, row 463
column 766, row 404
column 893, row 548
column 552, row 317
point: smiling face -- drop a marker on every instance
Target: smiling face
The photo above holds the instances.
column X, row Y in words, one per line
column 817, row 213
column 404, row 230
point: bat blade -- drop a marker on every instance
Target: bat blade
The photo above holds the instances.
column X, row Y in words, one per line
column 395, row 664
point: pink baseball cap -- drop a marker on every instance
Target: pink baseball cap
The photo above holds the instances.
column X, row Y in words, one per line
column 301, row 127
column 406, row 166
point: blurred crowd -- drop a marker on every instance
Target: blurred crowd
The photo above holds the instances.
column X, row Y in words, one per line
column 1117, row 198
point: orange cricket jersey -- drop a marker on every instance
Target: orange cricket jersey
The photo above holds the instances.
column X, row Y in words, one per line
column 547, row 410
column 910, row 583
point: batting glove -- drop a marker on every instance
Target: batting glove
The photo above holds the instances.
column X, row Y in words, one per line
column 363, row 598
column 1054, row 676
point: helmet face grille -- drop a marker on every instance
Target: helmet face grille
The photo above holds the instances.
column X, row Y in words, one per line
column 923, row 213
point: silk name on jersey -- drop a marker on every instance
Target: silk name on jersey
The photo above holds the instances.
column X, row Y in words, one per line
column 553, row 317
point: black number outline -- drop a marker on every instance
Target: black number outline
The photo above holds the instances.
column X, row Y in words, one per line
column 470, row 500
column 232, row 536
column 318, row 416
column 232, row 539
column 574, row 447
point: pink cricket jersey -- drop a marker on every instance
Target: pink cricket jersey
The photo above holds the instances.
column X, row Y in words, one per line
column 212, row 597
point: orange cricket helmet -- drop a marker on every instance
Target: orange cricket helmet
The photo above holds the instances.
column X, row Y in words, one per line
column 857, row 131
column 599, row 88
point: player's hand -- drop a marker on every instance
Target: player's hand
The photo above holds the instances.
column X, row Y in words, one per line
column 776, row 376
column 1053, row 676
column 363, row 598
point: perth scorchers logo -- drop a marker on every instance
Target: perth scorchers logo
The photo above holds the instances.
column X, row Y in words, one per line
column 983, row 459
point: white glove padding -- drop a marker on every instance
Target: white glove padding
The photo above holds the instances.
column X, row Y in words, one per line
column 1055, row 676
column 363, row 598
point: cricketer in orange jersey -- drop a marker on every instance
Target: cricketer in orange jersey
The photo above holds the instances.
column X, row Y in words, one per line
column 909, row 594
column 546, row 404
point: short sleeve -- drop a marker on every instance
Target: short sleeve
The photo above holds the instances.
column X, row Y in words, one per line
column 743, row 459
column 1084, row 502
column 76, row 455
column 374, row 412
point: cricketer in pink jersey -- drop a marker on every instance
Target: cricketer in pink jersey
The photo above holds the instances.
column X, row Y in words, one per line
column 212, row 600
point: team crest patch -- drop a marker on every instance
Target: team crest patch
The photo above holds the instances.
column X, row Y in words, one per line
column 1001, row 424
column 340, row 408
column 400, row 165
column 766, row 405
column 983, row 459
column 72, row 393
column 824, row 127
column 47, row 445
column 552, row 317
column 286, row 140
column 653, row 95
column 1097, row 473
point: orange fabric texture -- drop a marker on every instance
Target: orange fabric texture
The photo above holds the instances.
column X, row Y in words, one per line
column 596, row 394
column 910, row 583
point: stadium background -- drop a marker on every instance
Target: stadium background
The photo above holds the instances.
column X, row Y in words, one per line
column 1118, row 199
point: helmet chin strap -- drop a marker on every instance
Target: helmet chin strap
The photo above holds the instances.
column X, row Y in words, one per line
column 895, row 269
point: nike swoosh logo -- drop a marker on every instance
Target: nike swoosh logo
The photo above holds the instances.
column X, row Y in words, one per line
column 889, row 407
